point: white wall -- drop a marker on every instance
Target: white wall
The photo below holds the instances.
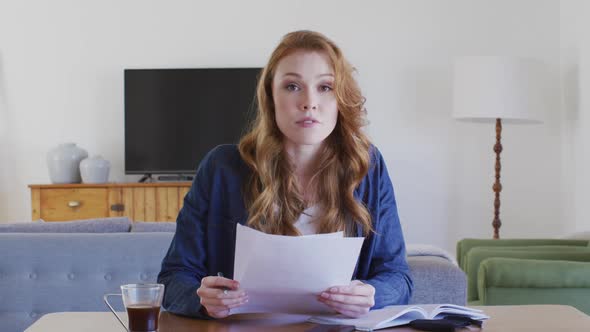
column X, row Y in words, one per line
column 61, row 70
column 575, row 76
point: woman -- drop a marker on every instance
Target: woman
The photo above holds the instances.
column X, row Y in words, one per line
column 305, row 167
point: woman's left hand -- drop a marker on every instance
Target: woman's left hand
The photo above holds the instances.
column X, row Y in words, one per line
column 353, row 300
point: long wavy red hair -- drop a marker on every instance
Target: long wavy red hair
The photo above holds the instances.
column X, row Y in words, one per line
column 271, row 195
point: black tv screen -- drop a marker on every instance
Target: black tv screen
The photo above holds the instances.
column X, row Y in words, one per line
column 173, row 117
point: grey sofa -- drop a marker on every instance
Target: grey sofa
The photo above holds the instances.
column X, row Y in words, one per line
column 54, row 272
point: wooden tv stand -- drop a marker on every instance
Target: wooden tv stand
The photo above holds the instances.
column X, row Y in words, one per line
column 159, row 201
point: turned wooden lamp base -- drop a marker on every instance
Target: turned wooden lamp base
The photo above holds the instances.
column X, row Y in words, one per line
column 496, row 223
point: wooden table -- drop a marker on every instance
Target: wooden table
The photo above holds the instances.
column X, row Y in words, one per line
column 538, row 318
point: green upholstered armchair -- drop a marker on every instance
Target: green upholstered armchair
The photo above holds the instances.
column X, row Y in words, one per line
column 526, row 271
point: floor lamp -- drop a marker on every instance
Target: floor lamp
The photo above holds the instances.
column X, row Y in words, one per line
column 501, row 90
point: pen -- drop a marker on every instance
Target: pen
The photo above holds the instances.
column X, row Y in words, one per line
column 225, row 289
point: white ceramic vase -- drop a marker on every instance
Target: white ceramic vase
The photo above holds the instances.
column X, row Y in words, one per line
column 63, row 163
column 95, row 170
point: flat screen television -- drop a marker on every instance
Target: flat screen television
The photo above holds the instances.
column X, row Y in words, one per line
column 173, row 117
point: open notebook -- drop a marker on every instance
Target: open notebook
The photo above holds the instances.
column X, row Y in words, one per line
column 399, row 315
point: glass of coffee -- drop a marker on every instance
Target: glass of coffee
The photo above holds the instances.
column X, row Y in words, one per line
column 142, row 302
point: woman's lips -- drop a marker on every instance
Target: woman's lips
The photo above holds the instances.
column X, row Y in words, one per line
column 307, row 122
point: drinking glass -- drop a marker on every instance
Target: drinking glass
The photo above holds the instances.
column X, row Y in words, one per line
column 142, row 302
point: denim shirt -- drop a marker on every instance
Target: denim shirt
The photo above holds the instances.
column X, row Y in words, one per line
column 204, row 242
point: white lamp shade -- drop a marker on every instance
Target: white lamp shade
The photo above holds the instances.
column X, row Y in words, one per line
column 490, row 87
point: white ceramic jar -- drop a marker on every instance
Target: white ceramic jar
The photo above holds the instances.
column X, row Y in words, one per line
column 95, row 170
column 63, row 163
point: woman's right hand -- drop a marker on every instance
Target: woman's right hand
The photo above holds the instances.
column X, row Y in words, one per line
column 218, row 302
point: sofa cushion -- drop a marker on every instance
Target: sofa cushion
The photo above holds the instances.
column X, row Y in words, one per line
column 437, row 280
column 153, row 226
column 100, row 225
column 419, row 249
column 18, row 227
column 42, row 272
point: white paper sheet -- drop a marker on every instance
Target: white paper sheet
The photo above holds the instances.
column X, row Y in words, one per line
column 287, row 273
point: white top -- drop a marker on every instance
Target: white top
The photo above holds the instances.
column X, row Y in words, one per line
column 307, row 223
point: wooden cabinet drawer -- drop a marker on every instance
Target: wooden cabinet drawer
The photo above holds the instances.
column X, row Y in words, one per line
column 137, row 201
column 75, row 203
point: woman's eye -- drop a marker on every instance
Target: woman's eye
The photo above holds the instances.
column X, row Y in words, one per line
column 325, row 88
column 292, row 87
